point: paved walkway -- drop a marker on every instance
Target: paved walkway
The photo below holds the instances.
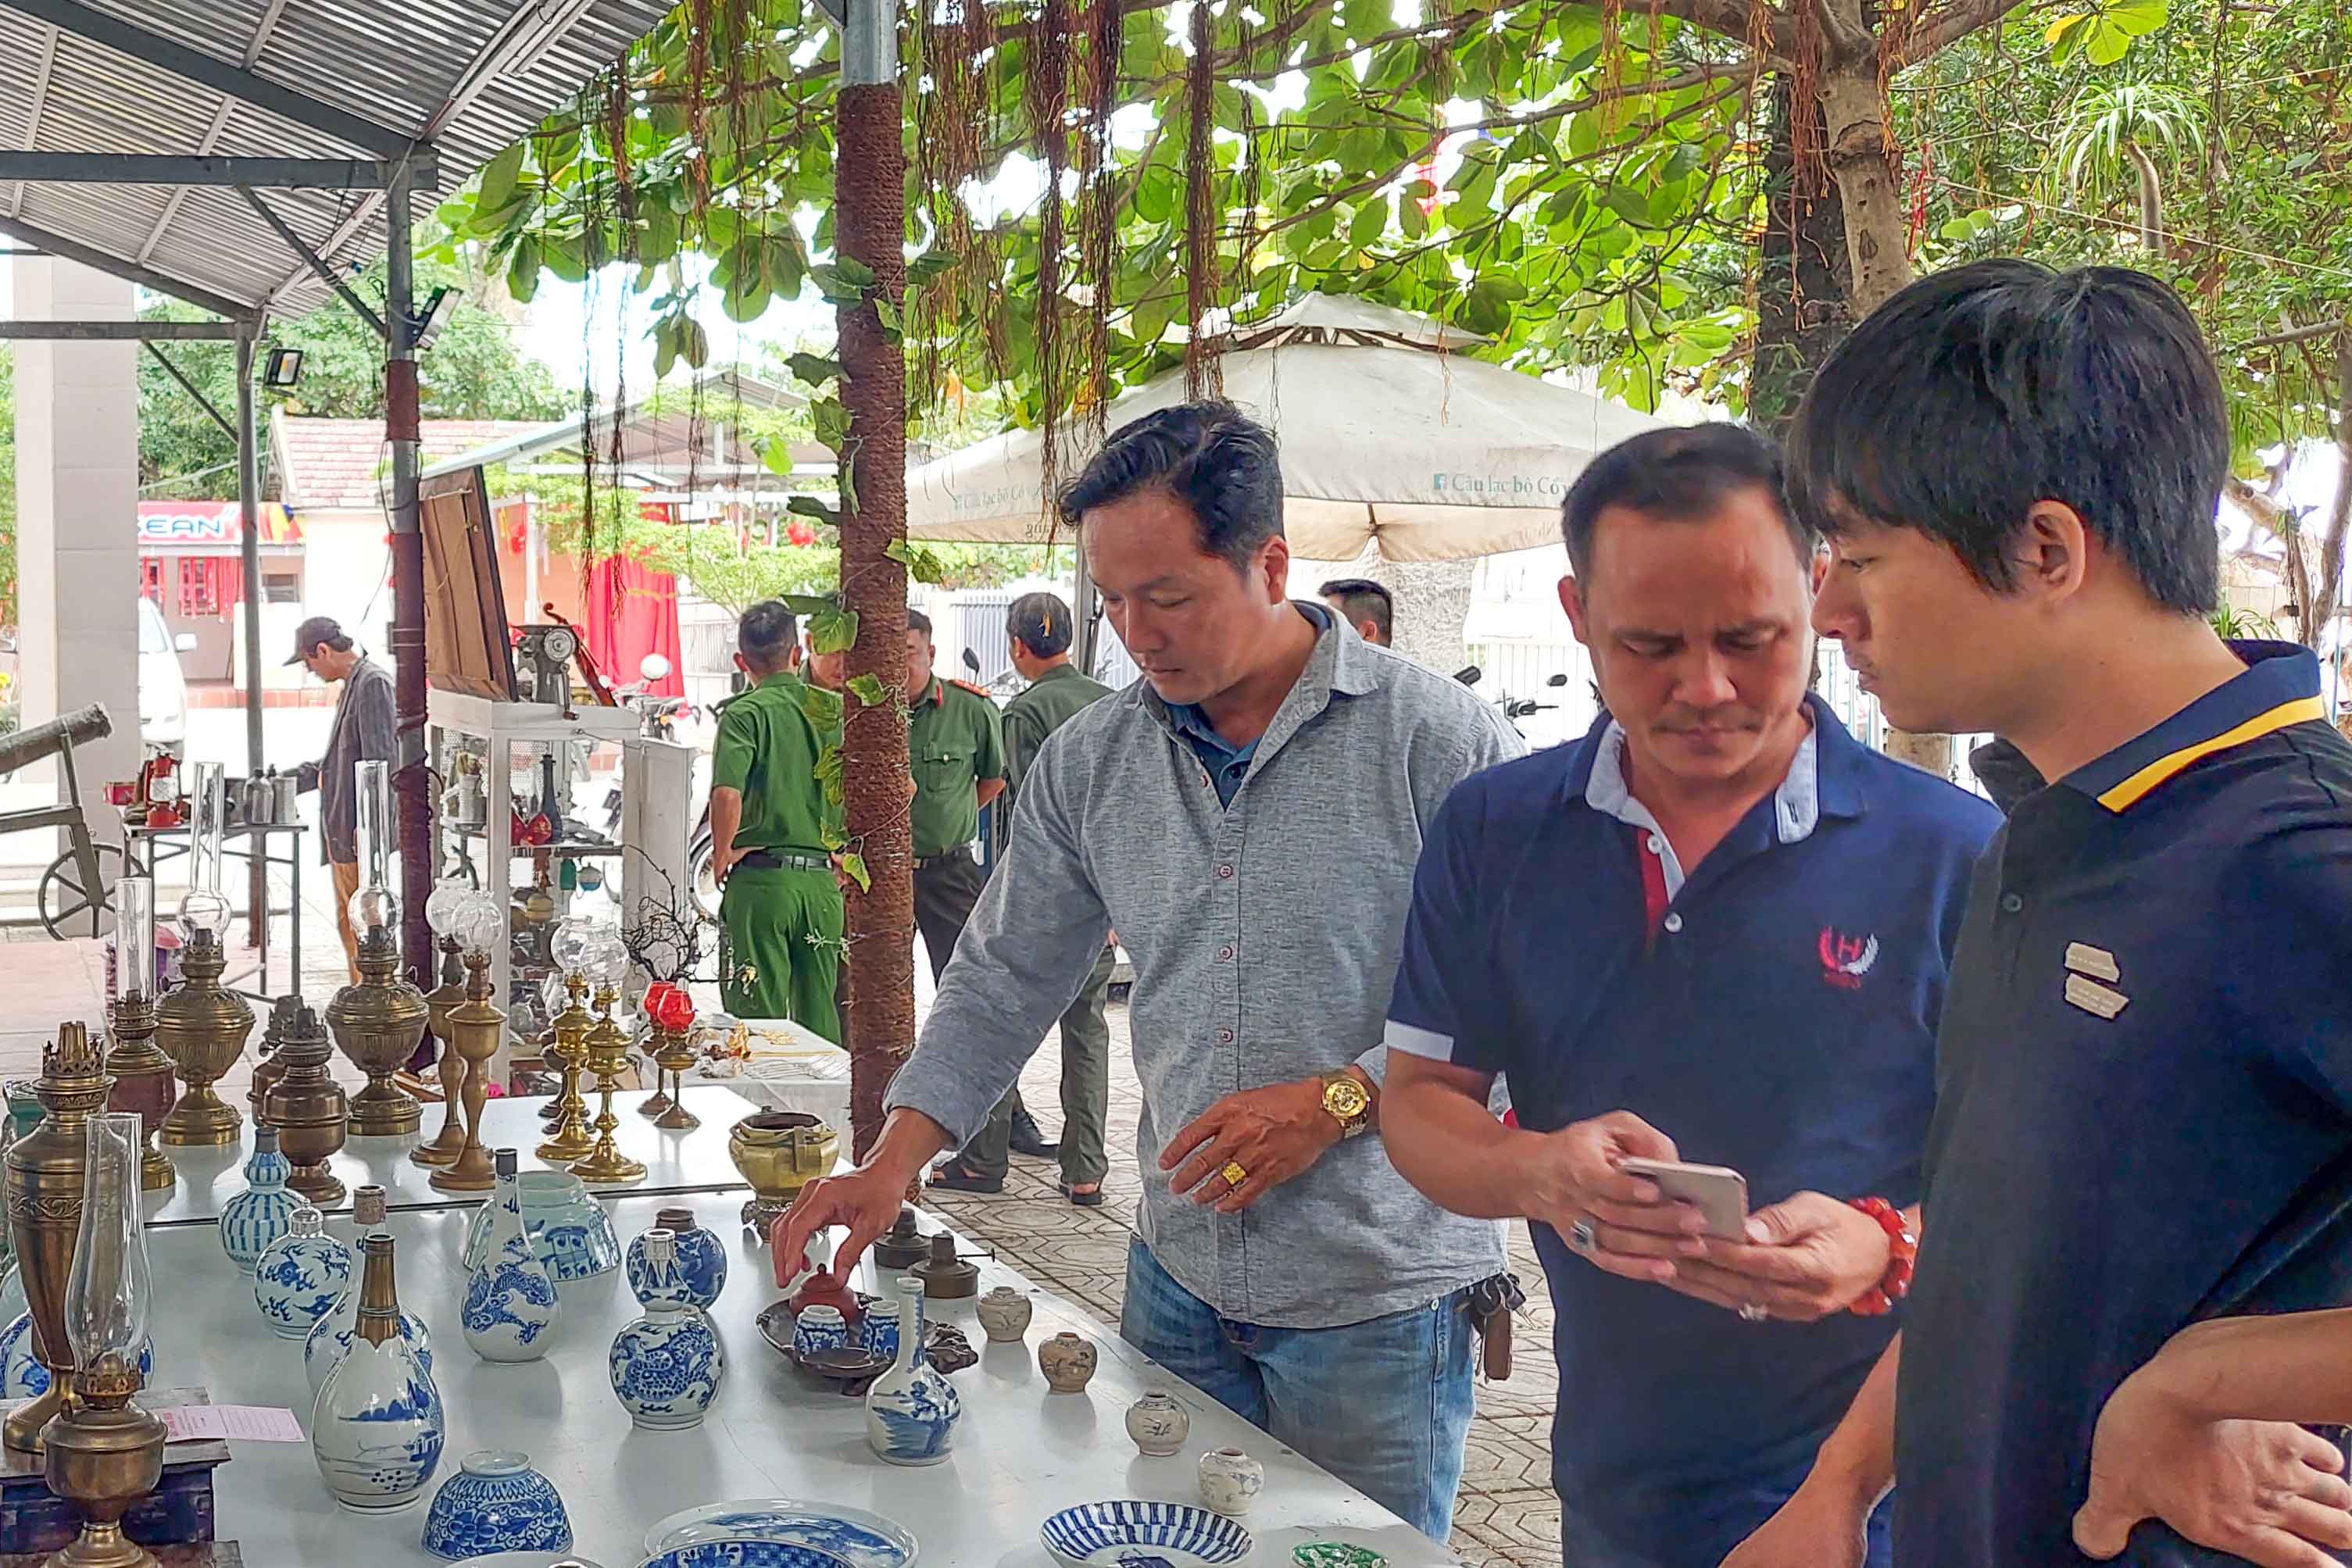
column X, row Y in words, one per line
column 1507, row 1514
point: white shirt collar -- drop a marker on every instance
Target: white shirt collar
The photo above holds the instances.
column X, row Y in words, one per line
column 1796, row 804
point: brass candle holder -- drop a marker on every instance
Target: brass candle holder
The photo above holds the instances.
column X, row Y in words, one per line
column 202, row 1026
column 309, row 1108
column 673, row 1053
column 608, row 1058
column 46, row 1168
column 452, row 1139
column 475, row 1028
column 567, row 1046
column 143, row 1082
column 377, row 1024
column 267, row 1070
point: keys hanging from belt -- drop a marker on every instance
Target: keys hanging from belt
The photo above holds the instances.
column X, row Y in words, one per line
column 1493, row 1302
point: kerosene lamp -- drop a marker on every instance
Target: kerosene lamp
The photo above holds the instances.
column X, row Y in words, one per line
column 202, row 1025
column 377, row 1022
column 141, row 1072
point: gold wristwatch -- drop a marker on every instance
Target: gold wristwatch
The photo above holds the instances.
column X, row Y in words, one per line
column 1349, row 1102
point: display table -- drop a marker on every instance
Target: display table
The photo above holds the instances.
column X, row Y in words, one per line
column 792, row 1067
column 1021, row 1453
column 692, row 1161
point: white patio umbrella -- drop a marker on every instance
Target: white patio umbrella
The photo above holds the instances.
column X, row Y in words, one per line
column 1389, row 434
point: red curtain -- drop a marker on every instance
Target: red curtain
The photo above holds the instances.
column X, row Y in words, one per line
column 631, row 611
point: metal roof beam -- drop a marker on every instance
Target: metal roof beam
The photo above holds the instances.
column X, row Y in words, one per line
column 326, row 274
column 146, row 277
column 188, row 386
column 144, row 169
column 193, row 65
column 121, row 331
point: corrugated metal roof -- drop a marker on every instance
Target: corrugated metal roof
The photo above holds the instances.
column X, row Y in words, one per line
column 472, row 77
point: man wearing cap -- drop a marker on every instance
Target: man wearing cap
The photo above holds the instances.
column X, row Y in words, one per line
column 1039, row 626
column 772, row 828
column 361, row 732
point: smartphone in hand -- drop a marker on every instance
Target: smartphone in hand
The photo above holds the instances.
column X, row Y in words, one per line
column 1718, row 1192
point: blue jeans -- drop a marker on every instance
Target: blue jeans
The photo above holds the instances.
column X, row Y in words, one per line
column 1383, row 1405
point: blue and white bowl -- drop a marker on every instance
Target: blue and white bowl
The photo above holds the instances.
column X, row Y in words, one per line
column 744, row 1551
column 859, row 1539
column 22, row 1376
column 496, row 1502
column 1136, row 1535
column 819, row 1329
column 569, row 1229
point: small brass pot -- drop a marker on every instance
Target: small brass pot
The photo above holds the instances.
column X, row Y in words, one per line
column 779, row 1153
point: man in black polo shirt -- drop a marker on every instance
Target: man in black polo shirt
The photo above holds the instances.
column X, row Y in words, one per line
column 1718, row 926
column 2134, row 1261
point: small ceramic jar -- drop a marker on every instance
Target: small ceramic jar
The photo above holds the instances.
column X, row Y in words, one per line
column 1004, row 1314
column 1158, row 1423
column 263, row 1211
column 819, row 1329
column 1230, row 1480
column 302, row 1277
column 701, row 1259
column 1068, row 1360
column 877, row 1331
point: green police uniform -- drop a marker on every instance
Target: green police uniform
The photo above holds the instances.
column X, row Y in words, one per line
column 954, row 745
column 1052, row 700
column 782, row 909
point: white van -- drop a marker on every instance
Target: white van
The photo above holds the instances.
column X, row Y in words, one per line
column 162, row 690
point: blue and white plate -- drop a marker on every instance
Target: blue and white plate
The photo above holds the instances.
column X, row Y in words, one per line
column 1134, row 1534
column 859, row 1539
column 744, row 1551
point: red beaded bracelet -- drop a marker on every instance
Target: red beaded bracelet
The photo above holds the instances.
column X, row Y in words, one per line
column 1901, row 1252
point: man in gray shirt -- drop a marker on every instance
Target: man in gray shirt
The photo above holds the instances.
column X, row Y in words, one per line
column 362, row 731
column 1246, row 817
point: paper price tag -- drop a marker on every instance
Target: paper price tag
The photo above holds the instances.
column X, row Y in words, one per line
column 236, row 1423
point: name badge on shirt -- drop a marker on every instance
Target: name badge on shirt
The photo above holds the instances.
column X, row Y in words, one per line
column 2096, row 962
column 2090, row 966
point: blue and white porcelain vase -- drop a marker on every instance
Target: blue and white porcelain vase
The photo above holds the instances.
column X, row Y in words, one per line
column 701, row 1261
column 331, row 1341
column 378, row 1426
column 496, row 1504
column 911, row 1410
column 511, row 1310
column 263, row 1211
column 302, row 1277
column 22, row 1376
column 667, row 1365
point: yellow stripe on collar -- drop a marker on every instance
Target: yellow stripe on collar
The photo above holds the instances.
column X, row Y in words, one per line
column 2300, row 711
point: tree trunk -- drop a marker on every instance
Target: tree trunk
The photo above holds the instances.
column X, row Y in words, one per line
column 2282, row 524
column 869, row 224
column 1803, row 275
column 2151, row 199
column 2340, row 512
column 1878, row 247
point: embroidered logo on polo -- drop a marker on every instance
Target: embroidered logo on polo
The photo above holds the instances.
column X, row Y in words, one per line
column 1846, row 960
column 2091, row 976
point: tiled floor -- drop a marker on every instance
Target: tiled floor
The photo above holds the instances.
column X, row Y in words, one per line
column 1506, row 1516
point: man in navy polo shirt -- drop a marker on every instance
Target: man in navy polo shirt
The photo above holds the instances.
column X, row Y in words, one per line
column 1716, row 929
column 2134, row 1265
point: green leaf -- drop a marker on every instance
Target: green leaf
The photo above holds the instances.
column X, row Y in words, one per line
column 893, row 325
column 832, row 420
column 823, row 710
column 1629, row 204
column 808, row 603
column 776, row 456
column 921, row 563
column 832, row 629
column 498, row 178
column 693, row 342
column 523, row 268
column 929, row 265
column 1155, row 196
column 869, row 690
column 814, row 369
column 854, row 868
column 809, row 507
column 853, row 272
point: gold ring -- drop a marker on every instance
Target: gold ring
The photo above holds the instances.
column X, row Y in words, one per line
column 1233, row 1174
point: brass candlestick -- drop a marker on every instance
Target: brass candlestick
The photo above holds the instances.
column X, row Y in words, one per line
column 568, row 1047
column 202, row 1026
column 439, row 1001
column 143, row 1082
column 475, row 1026
column 673, row 1053
column 608, row 1058
column 266, row 1070
column 46, row 1167
column 308, row 1109
column 377, row 1024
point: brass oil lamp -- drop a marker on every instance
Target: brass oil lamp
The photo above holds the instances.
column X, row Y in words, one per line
column 671, row 1011
column 378, row 1022
column 267, row 1070
column 201, row 1025
column 440, row 910
column 475, row 1029
column 608, row 1058
column 141, row 1072
column 46, row 1169
column 308, row 1107
column 567, row 1042
column 103, row 1452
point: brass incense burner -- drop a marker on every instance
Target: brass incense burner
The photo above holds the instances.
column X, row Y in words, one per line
column 46, row 1168
column 567, row 1046
column 475, row 1028
column 143, row 1082
column 202, row 1026
column 377, row 1024
column 308, row 1107
column 779, row 1153
column 608, row 1058
column 451, row 1139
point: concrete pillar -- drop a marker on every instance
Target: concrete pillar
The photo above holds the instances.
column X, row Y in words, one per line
column 77, row 520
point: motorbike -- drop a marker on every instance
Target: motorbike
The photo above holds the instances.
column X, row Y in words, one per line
column 1514, row 708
